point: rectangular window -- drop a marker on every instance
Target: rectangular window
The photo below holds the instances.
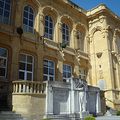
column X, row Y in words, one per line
column 67, row 72
column 3, row 62
column 26, row 65
column 49, row 70
column 83, row 74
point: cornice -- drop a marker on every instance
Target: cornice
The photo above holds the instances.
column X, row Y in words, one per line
column 75, row 6
column 102, row 8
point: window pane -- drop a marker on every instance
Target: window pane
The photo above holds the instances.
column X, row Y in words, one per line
column 46, row 17
column 22, row 57
column 25, row 21
column 45, row 70
column 26, row 8
column 31, row 11
column 25, row 14
column 69, row 75
column 63, row 37
column 51, row 78
column 31, row 23
column 67, row 71
column 64, row 67
column 7, row 6
column 29, row 67
column 51, row 71
column 31, row 16
column 51, row 25
column 51, row 64
column 46, row 23
column 5, row 20
column 50, row 31
column 8, row 1
column 22, row 66
column 45, row 78
column 1, row 4
column 69, row 68
column 45, row 63
column 46, row 30
column 21, row 75
column 2, row 62
column 1, row 12
column 64, row 74
column 6, row 13
column 29, row 76
column 3, row 52
column 2, row 72
column 29, row 59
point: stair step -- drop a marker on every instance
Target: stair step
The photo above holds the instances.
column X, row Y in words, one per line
column 108, row 118
column 9, row 115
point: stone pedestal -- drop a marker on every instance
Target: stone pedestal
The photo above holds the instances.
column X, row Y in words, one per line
column 68, row 100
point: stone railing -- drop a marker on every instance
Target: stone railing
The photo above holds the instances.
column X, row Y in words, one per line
column 83, row 54
column 28, row 87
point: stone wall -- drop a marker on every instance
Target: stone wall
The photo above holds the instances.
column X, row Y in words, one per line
column 29, row 106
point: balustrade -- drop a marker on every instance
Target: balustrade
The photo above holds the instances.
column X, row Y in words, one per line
column 28, row 87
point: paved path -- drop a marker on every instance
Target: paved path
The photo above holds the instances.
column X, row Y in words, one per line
column 108, row 118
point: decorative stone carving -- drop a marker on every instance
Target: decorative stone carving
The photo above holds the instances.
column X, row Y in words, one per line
column 99, row 54
column 60, row 25
column 41, row 17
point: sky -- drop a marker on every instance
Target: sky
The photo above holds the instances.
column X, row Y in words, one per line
column 114, row 5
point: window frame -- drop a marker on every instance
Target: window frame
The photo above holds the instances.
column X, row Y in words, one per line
column 26, row 62
column 6, row 58
column 3, row 12
column 67, row 30
column 48, row 76
column 66, row 71
column 26, row 28
column 47, row 34
column 83, row 74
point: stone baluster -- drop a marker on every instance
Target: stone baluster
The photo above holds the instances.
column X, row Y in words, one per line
column 27, row 87
column 14, row 88
column 19, row 87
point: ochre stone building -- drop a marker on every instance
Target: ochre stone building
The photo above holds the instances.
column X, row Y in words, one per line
column 47, row 40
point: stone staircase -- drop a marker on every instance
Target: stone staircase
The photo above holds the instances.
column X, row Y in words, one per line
column 8, row 115
column 65, row 117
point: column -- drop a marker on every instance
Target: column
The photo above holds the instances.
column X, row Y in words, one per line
column 49, row 99
column 72, row 98
column 98, row 103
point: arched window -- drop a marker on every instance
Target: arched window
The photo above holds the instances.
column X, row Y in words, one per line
column 80, row 39
column 48, row 27
column 5, row 6
column 28, row 19
column 65, row 33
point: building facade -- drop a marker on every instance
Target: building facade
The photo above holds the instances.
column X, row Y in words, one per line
column 55, row 40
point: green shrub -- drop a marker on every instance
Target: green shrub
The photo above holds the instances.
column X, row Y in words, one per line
column 118, row 113
column 89, row 118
